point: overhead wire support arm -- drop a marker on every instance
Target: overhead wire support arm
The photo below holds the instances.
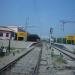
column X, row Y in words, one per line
column 64, row 22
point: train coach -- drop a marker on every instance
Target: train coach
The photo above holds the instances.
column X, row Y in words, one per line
column 33, row 38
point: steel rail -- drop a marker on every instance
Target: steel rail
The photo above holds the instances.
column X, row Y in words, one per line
column 13, row 62
column 38, row 64
column 67, row 53
column 63, row 47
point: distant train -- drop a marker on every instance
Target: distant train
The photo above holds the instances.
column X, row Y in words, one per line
column 33, row 38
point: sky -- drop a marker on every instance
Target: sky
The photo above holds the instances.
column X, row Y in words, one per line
column 41, row 14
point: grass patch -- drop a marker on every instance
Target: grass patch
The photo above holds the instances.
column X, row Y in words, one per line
column 58, row 59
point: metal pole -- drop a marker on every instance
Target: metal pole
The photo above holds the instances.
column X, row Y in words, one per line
column 51, row 31
column 63, row 31
column 50, row 39
column 9, row 45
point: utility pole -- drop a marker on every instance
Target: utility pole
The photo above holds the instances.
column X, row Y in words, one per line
column 26, row 24
column 63, row 23
column 51, row 32
column 9, row 44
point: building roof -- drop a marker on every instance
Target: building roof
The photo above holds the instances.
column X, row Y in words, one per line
column 4, row 28
column 17, row 28
column 12, row 28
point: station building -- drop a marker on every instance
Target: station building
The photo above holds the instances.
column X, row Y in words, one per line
column 6, row 33
column 13, row 32
column 21, row 34
column 70, row 39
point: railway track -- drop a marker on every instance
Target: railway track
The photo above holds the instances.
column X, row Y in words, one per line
column 64, row 48
column 27, row 65
column 65, row 51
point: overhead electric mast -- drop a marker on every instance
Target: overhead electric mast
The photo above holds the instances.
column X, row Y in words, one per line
column 64, row 22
